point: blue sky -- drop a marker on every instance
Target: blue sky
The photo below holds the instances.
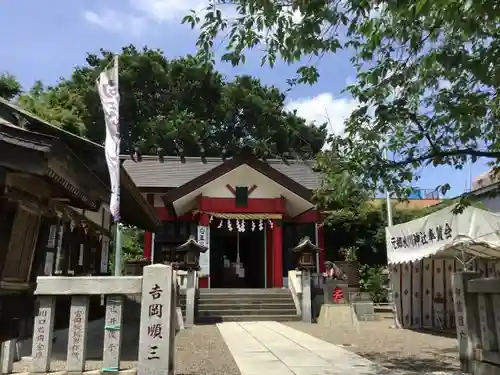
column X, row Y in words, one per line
column 45, row 40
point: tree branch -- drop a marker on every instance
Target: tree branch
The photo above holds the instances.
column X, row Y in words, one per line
column 443, row 154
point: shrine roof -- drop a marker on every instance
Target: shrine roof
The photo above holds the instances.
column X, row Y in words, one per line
column 133, row 206
column 172, row 172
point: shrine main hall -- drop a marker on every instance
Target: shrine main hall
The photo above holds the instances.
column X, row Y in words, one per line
column 247, row 211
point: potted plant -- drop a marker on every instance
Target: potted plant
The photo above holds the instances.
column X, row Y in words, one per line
column 350, row 265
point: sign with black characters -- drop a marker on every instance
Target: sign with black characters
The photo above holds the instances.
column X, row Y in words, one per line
column 443, row 230
column 436, row 234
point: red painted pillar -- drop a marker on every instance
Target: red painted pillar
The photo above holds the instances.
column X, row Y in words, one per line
column 204, row 219
column 321, row 245
column 277, row 254
column 148, row 236
column 269, row 256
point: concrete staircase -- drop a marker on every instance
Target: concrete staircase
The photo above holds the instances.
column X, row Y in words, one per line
column 236, row 305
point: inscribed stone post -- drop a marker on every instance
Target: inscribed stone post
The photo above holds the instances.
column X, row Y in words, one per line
column 42, row 335
column 466, row 318
column 77, row 336
column 155, row 349
column 112, row 333
column 190, row 298
column 306, row 296
column 7, row 354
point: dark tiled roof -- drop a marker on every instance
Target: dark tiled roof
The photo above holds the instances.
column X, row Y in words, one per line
column 150, row 173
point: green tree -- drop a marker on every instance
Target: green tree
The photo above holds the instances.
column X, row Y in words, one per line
column 427, row 74
column 177, row 104
column 9, row 86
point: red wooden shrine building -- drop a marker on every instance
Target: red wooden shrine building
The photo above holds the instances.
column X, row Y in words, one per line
column 249, row 212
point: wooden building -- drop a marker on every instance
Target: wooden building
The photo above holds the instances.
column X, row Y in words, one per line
column 54, row 192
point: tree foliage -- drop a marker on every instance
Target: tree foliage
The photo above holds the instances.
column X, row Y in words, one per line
column 355, row 219
column 177, row 106
column 427, row 74
column 9, row 86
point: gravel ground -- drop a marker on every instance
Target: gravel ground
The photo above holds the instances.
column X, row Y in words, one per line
column 399, row 349
column 199, row 351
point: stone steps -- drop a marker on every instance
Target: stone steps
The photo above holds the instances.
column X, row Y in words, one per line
column 230, row 305
column 244, row 305
column 246, row 318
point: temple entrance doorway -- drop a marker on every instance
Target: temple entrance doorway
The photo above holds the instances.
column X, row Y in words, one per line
column 237, row 259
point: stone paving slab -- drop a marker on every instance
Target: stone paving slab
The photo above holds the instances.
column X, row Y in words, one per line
column 276, row 349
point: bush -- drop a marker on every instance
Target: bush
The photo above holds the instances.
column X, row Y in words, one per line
column 374, row 280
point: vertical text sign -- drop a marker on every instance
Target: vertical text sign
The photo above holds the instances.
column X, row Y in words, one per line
column 112, row 333
column 77, row 337
column 465, row 324
column 42, row 335
column 155, row 325
column 204, row 240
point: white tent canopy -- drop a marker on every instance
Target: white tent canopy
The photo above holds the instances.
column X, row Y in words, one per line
column 473, row 233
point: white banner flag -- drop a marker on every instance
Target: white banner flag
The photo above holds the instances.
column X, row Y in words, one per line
column 107, row 85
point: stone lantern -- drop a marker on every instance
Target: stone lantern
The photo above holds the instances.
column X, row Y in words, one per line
column 187, row 255
column 306, row 254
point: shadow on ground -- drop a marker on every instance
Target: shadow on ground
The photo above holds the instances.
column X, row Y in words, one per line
column 394, row 361
column 448, row 334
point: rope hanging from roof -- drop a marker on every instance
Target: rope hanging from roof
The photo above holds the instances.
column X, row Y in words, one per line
column 233, row 216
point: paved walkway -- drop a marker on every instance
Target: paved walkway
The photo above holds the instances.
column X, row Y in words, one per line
column 272, row 348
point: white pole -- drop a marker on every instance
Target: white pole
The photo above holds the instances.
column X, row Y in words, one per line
column 118, row 237
column 153, row 248
column 396, row 323
column 388, row 198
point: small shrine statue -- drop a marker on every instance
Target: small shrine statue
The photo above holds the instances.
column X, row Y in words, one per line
column 333, row 272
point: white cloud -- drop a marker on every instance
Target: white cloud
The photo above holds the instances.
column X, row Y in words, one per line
column 115, row 21
column 166, row 10
column 324, row 108
column 142, row 13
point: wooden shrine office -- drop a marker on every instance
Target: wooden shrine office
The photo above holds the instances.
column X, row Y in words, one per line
column 54, row 194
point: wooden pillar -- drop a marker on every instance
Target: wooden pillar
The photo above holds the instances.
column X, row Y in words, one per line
column 76, row 238
column 278, row 254
column 269, row 256
column 148, row 236
column 7, row 216
column 37, row 268
column 98, row 253
column 66, row 247
column 86, row 251
column 59, row 247
column 321, row 245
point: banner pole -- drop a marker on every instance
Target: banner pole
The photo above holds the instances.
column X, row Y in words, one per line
column 118, row 237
